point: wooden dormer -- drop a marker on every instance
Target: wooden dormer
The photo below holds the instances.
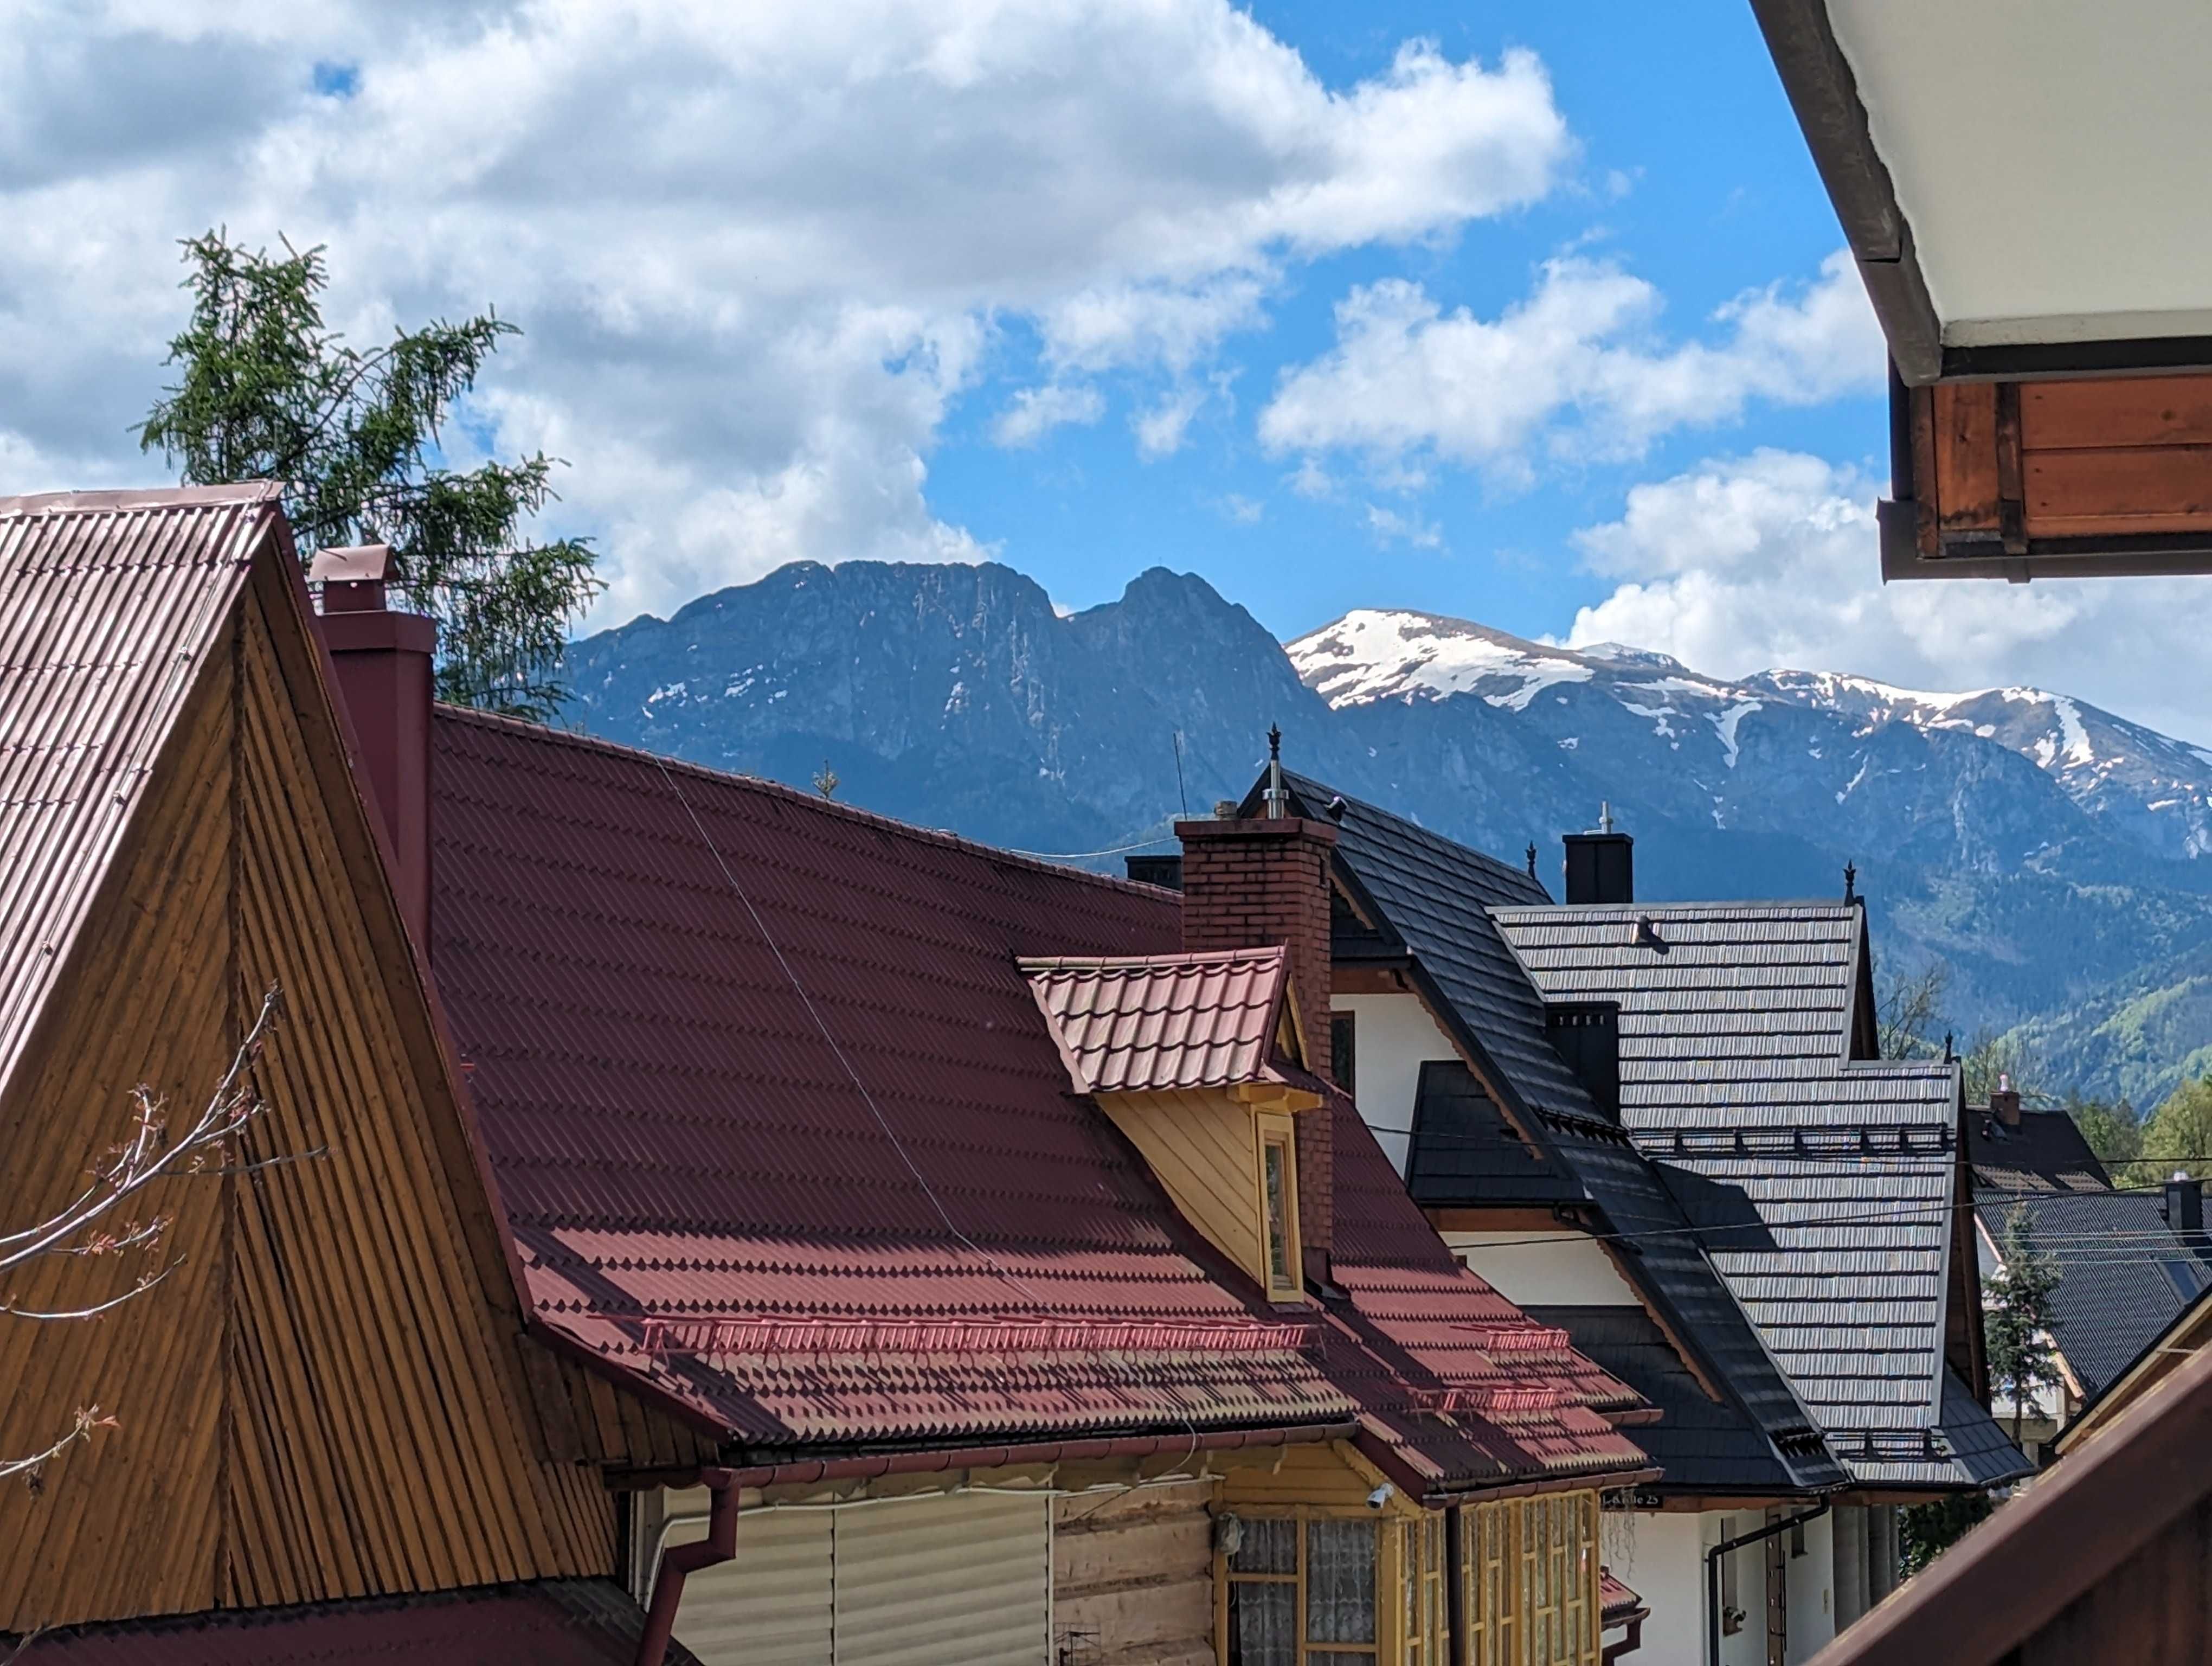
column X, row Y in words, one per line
column 1198, row 1060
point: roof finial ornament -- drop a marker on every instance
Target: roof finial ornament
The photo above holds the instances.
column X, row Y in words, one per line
column 1277, row 797
column 1605, row 815
column 1532, row 858
column 1850, row 882
column 1948, row 1054
column 1274, row 743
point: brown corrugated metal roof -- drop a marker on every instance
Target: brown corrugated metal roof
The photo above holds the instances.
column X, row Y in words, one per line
column 109, row 604
column 557, row 1622
column 1147, row 1022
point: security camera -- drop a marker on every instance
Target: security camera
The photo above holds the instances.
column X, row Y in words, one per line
column 1381, row 1496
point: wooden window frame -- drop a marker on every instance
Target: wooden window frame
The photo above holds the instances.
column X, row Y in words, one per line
column 1389, row 1645
column 1274, row 1132
column 1528, row 1580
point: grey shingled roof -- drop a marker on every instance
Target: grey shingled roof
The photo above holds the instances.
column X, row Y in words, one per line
column 2124, row 1277
column 1429, row 897
column 1737, row 1028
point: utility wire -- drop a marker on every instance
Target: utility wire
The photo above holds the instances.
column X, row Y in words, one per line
column 812, row 1012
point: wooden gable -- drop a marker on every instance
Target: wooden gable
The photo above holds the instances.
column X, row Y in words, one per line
column 329, row 1394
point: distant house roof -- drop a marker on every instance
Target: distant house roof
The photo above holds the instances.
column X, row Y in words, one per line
column 1144, row 1022
column 779, row 1125
column 1743, row 1030
column 2046, row 1151
column 2124, row 1277
column 108, row 603
column 555, row 1622
column 1425, row 896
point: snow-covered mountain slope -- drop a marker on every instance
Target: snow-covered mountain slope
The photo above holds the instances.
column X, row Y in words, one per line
column 2150, row 789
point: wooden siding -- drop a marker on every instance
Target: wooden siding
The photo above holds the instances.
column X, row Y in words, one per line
column 1132, row 1577
column 327, row 1397
column 1203, row 1148
column 2010, row 462
column 2154, row 1610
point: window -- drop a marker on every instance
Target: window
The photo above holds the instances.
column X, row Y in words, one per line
column 1428, row 1622
column 1343, row 1044
column 1302, row 1592
column 1279, row 1210
column 1529, row 1581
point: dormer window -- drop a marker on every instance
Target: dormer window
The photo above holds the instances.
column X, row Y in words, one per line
column 1279, row 1206
column 1197, row 1058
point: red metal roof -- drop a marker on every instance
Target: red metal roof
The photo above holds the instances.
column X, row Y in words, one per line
column 109, row 602
column 559, row 1622
column 1147, row 1022
column 1617, row 1603
column 647, row 966
column 779, row 1123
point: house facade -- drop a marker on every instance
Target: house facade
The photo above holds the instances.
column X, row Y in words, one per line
column 1663, row 1129
column 682, row 1218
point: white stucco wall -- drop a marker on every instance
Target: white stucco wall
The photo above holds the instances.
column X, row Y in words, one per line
column 1541, row 1269
column 1667, row 1568
column 1393, row 1036
column 1813, row 1590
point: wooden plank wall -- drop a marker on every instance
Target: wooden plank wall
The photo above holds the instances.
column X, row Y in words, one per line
column 2015, row 461
column 2154, row 1610
column 327, row 1398
column 1132, row 1577
column 1202, row 1148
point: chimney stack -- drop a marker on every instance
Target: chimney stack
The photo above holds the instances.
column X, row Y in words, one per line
column 2184, row 1209
column 1249, row 883
column 1600, row 865
column 383, row 660
column 1586, row 1034
column 2004, row 1101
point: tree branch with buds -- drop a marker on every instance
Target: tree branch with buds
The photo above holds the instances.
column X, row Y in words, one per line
column 99, row 1222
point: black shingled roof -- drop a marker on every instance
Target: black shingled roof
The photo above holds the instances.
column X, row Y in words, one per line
column 1425, row 898
column 1750, row 1120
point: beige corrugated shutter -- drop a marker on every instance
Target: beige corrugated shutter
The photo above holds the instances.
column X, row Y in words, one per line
column 958, row 1581
column 771, row 1607
column 964, row 1580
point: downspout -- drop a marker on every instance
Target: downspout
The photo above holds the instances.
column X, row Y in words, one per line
column 1713, row 1572
column 719, row 1545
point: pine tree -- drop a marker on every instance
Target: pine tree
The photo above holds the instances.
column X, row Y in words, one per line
column 2017, row 1316
column 265, row 391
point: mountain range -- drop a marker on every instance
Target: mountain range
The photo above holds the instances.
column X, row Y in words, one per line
column 2050, row 854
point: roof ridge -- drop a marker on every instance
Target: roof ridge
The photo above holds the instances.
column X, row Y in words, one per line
column 139, row 497
column 1135, row 962
column 1480, row 855
column 1589, row 910
column 811, row 801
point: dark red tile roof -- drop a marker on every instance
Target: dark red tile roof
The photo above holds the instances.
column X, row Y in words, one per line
column 674, row 1135
column 622, row 946
column 1617, row 1603
column 558, row 1622
column 1142, row 1024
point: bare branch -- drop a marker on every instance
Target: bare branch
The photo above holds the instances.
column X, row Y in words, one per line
column 144, row 1284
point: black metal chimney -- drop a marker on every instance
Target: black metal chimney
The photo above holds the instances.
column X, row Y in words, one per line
column 2185, row 1210
column 1600, row 865
column 1586, row 1034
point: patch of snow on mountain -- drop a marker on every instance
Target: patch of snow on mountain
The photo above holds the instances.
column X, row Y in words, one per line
column 1372, row 654
column 2078, row 749
column 1725, row 724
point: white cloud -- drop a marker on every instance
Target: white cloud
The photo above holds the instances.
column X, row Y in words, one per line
column 1159, row 430
column 1578, row 368
column 1037, row 411
column 760, row 250
column 1393, row 527
column 1241, row 510
column 1745, row 564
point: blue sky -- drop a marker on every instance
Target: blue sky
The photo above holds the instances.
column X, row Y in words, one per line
column 1681, row 104
column 1528, row 314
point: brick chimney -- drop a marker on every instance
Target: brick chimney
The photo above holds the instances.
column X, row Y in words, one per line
column 383, row 661
column 2004, row 1102
column 1264, row 881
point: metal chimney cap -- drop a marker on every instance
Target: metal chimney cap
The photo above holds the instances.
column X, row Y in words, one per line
column 352, row 563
